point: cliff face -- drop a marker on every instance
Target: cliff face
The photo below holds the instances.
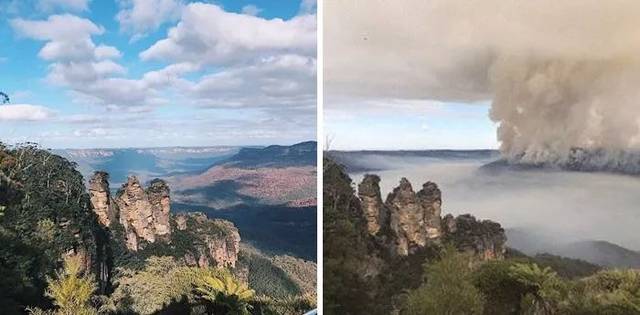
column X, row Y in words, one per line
column 145, row 215
column 375, row 211
column 486, row 239
column 220, row 239
column 101, row 198
column 415, row 218
column 408, row 221
column 158, row 195
column 136, row 214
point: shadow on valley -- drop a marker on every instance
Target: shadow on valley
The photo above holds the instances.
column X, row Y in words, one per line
column 217, row 195
column 276, row 229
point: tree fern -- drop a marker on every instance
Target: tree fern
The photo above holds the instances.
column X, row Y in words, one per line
column 546, row 290
column 70, row 290
column 221, row 292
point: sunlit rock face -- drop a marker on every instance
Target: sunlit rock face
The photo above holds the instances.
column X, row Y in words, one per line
column 101, row 198
column 145, row 216
column 217, row 241
column 136, row 213
column 158, row 195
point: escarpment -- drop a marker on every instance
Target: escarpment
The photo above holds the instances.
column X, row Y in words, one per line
column 220, row 238
column 144, row 214
column 412, row 221
column 485, row 238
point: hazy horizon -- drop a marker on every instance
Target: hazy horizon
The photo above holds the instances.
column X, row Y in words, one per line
column 567, row 206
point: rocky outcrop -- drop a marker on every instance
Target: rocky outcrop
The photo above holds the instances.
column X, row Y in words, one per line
column 158, row 195
column 101, row 198
column 408, row 222
column 218, row 241
column 375, row 211
column 415, row 218
column 136, row 213
column 145, row 215
column 486, row 239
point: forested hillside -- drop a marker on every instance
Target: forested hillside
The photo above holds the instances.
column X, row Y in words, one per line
column 380, row 259
column 70, row 251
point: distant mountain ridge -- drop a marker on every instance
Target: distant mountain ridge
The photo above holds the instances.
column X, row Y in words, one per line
column 274, row 175
column 577, row 160
column 597, row 252
column 146, row 163
column 300, row 154
column 369, row 160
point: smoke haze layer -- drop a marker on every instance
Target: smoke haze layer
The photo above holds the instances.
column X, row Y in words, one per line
column 560, row 207
column 560, row 75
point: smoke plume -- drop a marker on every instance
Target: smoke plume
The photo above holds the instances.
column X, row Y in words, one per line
column 561, row 75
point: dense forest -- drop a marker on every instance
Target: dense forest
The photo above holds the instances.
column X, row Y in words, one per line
column 57, row 259
column 444, row 279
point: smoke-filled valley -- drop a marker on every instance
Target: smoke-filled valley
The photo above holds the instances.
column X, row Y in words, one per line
column 542, row 210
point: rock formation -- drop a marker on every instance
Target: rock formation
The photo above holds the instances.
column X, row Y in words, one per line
column 101, row 198
column 220, row 238
column 137, row 213
column 381, row 247
column 158, row 195
column 408, row 221
column 145, row 216
column 375, row 212
column 415, row 218
column 486, row 239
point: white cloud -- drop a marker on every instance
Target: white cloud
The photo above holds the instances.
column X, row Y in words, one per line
column 277, row 82
column 74, row 5
column 252, row 65
column 232, row 38
column 139, row 17
column 169, row 75
column 64, row 27
column 68, row 38
column 251, row 9
column 24, row 112
column 79, row 64
column 107, row 52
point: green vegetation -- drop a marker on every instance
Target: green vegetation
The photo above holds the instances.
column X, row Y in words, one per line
column 46, row 214
column 345, row 248
column 159, row 283
column 458, row 285
column 361, row 278
column 71, row 291
column 297, row 305
column 223, row 294
column 448, row 288
column 565, row 267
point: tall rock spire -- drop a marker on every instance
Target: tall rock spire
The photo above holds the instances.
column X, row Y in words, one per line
column 375, row 212
column 101, row 198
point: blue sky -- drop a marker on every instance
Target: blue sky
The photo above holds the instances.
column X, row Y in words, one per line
column 405, row 124
column 147, row 73
column 434, row 125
